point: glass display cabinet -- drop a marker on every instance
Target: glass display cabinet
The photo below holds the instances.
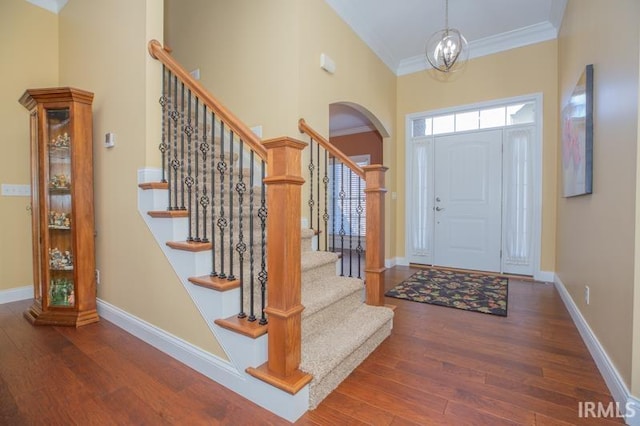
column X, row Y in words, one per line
column 62, row 206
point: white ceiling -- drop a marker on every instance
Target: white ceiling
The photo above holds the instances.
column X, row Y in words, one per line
column 396, row 30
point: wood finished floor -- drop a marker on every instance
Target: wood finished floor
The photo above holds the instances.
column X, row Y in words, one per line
column 440, row 366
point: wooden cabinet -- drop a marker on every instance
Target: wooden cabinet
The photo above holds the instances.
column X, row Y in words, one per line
column 62, row 206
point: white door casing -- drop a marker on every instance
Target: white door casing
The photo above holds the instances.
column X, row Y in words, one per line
column 468, row 200
column 521, row 187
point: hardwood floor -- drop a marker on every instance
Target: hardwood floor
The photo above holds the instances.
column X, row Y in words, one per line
column 440, row 366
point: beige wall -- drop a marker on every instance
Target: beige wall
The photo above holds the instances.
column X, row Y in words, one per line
column 263, row 62
column 595, row 243
column 103, row 49
column 515, row 72
column 246, row 52
column 360, row 78
column 29, row 52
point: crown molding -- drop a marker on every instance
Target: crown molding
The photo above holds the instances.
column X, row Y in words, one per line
column 54, row 6
column 489, row 45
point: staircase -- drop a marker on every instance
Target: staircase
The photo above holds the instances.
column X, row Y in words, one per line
column 336, row 329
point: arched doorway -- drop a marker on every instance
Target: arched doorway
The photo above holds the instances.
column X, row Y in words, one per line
column 359, row 135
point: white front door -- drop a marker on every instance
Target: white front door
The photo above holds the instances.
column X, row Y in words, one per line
column 468, row 200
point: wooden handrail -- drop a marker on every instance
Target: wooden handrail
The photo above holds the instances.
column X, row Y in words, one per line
column 305, row 128
column 238, row 127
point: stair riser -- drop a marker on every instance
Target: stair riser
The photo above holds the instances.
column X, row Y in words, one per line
column 330, row 316
column 318, row 273
column 319, row 390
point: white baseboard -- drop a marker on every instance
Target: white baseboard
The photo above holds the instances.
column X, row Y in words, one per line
column 544, row 276
column 396, row 261
column 290, row 407
column 15, row 294
column 619, row 390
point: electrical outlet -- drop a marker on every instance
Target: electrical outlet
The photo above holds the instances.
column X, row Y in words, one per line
column 586, row 294
column 97, row 276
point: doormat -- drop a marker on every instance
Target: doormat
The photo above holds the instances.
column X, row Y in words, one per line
column 470, row 291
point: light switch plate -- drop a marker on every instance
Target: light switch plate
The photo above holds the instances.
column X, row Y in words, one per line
column 9, row 190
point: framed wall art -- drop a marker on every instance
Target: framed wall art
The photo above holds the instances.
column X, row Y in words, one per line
column 577, row 138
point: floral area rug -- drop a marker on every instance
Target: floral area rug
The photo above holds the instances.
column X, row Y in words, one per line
column 462, row 290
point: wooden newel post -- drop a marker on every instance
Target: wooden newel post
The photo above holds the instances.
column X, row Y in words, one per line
column 284, row 186
column 374, row 254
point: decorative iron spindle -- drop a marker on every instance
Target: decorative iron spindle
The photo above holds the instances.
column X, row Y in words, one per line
column 231, row 160
column 318, row 191
column 241, row 247
column 204, row 199
column 350, row 221
column 252, row 314
column 359, row 210
column 262, row 276
column 222, row 220
column 333, row 205
column 214, row 272
column 188, row 180
column 342, row 196
column 175, row 163
column 182, row 178
column 197, row 172
column 311, row 201
column 164, row 101
column 325, row 215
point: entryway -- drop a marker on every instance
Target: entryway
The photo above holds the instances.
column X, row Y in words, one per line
column 474, row 186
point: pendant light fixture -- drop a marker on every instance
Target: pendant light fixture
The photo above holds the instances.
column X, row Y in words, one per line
column 447, row 50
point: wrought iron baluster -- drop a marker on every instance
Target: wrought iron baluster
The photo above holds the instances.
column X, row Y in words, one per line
column 252, row 315
column 231, row 160
column 204, row 199
column 182, row 178
column 311, row 167
column 333, row 205
column 222, row 220
column 188, row 180
column 350, row 221
column 318, row 192
column 164, row 101
column 262, row 276
column 359, row 211
column 342, row 196
column 197, row 173
column 241, row 247
column 214, row 272
column 325, row 215
column 175, row 163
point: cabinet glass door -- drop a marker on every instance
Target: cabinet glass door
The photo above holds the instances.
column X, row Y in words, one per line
column 58, row 205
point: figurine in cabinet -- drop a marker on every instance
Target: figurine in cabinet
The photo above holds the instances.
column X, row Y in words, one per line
column 62, row 188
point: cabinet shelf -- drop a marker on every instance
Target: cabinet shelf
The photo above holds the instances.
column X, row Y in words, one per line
column 64, row 258
column 59, row 191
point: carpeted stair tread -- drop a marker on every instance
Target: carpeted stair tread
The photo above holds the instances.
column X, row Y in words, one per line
column 325, row 351
column 320, row 294
column 315, row 259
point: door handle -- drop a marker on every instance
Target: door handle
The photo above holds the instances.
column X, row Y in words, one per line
column 438, row 209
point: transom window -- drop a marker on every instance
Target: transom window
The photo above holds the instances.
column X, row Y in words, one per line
column 476, row 119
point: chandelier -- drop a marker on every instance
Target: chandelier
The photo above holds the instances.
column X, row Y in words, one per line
column 447, row 50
